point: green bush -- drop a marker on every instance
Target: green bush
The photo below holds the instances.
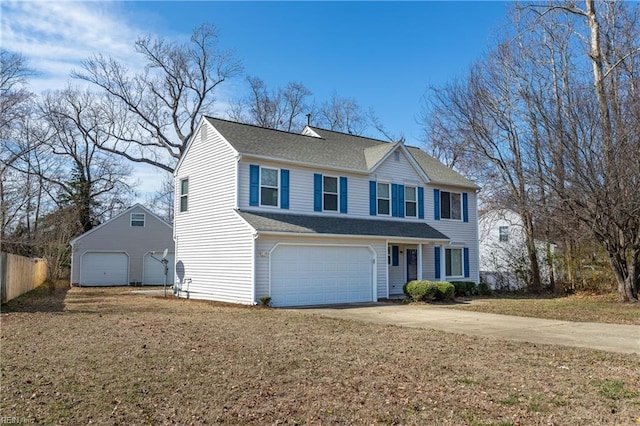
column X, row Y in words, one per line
column 426, row 291
column 265, row 300
column 465, row 288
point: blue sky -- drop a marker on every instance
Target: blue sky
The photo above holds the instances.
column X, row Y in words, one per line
column 382, row 54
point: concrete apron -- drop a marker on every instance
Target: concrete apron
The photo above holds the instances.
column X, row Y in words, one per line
column 606, row 337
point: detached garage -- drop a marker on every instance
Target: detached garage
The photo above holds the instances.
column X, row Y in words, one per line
column 119, row 252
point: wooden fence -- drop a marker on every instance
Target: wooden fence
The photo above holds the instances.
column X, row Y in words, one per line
column 19, row 275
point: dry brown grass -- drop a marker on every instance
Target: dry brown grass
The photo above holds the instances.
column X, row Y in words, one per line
column 108, row 356
column 582, row 307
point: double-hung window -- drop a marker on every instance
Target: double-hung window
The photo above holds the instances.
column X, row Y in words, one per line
column 330, row 193
column 383, row 199
column 453, row 263
column 184, row 195
column 268, row 187
column 450, row 205
column 504, row 233
column 410, row 201
column 137, row 219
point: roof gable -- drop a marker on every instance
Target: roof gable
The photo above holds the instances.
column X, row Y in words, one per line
column 136, row 206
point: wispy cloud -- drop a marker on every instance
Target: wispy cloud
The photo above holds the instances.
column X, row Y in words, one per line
column 57, row 36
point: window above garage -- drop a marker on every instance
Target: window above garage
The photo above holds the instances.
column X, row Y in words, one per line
column 137, row 219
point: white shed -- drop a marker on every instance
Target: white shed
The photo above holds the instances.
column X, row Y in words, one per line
column 119, row 252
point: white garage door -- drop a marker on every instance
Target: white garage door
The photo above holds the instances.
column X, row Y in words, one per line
column 317, row 275
column 100, row 269
column 154, row 271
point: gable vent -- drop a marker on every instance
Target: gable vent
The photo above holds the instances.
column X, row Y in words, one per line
column 396, row 156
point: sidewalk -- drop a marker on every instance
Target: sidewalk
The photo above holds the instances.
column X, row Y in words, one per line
column 606, row 337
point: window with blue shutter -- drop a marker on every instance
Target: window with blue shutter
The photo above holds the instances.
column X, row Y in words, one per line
column 436, row 256
column 317, row 192
column 465, row 207
column 395, row 256
column 343, row 194
column 254, row 185
column 373, row 199
column 394, row 200
column 400, row 200
column 420, row 202
column 466, row 262
column 284, row 188
column 436, row 204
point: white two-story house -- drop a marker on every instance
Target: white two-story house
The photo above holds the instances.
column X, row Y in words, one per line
column 316, row 218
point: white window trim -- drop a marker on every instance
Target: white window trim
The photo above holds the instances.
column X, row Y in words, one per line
column 461, row 262
column 415, row 201
column 337, row 193
column 278, row 187
column 181, row 196
column 144, row 220
column 380, row 198
column 461, row 212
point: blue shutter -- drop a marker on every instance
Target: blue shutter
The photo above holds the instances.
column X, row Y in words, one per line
column 372, row 198
column 465, row 207
column 254, row 185
column 343, row 194
column 284, row 188
column 401, row 200
column 394, row 200
column 420, row 202
column 394, row 256
column 436, row 204
column 466, row 262
column 317, row 192
column 436, row 255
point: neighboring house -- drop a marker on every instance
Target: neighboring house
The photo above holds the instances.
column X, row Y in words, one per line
column 504, row 262
column 119, row 251
column 316, row 218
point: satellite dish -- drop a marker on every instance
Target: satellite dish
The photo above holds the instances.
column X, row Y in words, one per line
column 164, row 253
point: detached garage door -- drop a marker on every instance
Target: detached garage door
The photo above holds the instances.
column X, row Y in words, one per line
column 102, row 269
column 154, row 270
column 319, row 275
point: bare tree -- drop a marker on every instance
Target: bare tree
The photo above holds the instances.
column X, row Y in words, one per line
column 281, row 109
column 162, row 200
column 155, row 112
column 342, row 115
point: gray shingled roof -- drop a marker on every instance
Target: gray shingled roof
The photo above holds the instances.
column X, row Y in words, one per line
column 331, row 149
column 338, row 225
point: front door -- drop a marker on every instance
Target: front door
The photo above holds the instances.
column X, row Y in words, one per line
column 412, row 264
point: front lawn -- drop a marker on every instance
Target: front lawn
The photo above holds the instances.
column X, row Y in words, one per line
column 109, row 356
column 578, row 307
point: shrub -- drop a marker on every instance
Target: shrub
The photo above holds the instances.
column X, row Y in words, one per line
column 427, row 291
column 265, row 300
column 465, row 288
column 484, row 289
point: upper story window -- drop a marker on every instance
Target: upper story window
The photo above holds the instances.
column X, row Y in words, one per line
column 330, row 193
column 410, row 201
column 453, row 263
column 137, row 219
column 383, row 199
column 268, row 187
column 184, row 195
column 450, row 205
column 504, row 233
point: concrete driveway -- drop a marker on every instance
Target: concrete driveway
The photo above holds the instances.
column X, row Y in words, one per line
column 606, row 337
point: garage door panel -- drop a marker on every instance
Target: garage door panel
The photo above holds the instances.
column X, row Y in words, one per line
column 104, row 269
column 314, row 275
column 153, row 270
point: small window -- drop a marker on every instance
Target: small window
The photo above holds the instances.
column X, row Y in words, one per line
column 137, row 219
column 450, row 205
column 184, row 195
column 268, row 187
column 453, row 262
column 383, row 199
column 330, row 193
column 504, row 233
column 410, row 202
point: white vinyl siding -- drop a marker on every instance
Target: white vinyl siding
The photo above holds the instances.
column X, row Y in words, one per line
column 214, row 246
